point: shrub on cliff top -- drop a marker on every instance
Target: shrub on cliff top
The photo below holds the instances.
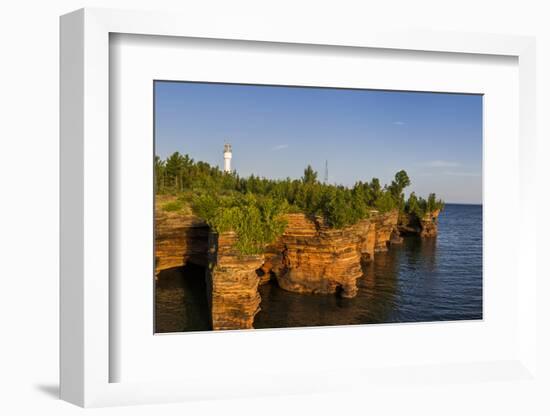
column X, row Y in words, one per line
column 257, row 220
column 419, row 206
column 207, row 187
column 343, row 207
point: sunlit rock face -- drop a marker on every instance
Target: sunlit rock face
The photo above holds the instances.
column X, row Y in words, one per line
column 367, row 244
column 429, row 224
column 425, row 227
column 311, row 257
column 179, row 239
column 385, row 226
column 232, row 283
column 317, row 259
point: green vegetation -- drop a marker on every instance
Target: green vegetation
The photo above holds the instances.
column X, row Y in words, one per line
column 173, row 206
column 257, row 220
column 419, row 206
column 253, row 207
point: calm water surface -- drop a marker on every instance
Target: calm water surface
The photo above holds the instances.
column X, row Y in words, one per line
column 420, row 280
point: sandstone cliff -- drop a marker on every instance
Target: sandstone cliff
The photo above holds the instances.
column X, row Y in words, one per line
column 385, row 229
column 179, row 238
column 318, row 259
column 425, row 227
column 232, row 283
column 311, row 257
column 428, row 224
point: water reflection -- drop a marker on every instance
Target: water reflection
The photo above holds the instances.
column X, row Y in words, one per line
column 180, row 300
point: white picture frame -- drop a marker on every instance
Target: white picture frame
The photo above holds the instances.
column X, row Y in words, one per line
column 86, row 356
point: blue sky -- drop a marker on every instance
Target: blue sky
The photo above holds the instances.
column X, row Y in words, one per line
column 277, row 131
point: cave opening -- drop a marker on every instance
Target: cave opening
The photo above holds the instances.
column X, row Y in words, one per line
column 181, row 300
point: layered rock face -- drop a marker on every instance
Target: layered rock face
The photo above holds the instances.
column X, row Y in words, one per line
column 317, row 259
column 385, row 226
column 367, row 244
column 428, row 224
column 179, row 239
column 232, row 283
column 425, row 227
column 311, row 257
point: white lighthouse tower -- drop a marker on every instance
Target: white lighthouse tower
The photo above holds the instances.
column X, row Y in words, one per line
column 227, row 154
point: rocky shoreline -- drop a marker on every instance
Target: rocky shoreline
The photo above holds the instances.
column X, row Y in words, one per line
column 310, row 258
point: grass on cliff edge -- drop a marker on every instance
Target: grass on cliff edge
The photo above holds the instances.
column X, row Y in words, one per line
column 174, row 205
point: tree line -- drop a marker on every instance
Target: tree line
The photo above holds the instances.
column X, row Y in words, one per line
column 253, row 206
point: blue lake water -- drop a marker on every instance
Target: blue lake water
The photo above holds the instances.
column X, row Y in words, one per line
column 421, row 280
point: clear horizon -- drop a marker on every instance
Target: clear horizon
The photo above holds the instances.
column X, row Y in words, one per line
column 277, row 131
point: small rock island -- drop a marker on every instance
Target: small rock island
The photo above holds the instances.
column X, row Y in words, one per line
column 310, row 236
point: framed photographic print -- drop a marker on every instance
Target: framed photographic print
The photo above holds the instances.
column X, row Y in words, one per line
column 289, row 231
column 321, row 200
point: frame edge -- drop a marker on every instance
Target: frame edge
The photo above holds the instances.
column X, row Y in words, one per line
column 71, row 201
column 83, row 355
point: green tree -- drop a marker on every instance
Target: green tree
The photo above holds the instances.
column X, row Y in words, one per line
column 385, row 202
column 402, row 179
column 374, row 191
column 433, row 203
column 174, row 171
column 412, row 206
column 310, row 176
column 400, row 182
column 252, row 206
column 159, row 175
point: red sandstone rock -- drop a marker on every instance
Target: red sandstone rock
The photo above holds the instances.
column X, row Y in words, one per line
column 428, row 224
column 368, row 242
column 425, row 227
column 232, row 282
column 309, row 257
column 179, row 238
column 385, row 226
column 318, row 259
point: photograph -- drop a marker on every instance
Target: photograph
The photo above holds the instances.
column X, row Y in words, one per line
column 292, row 206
